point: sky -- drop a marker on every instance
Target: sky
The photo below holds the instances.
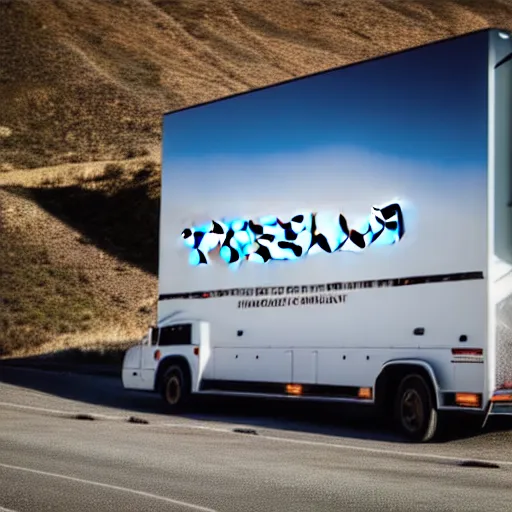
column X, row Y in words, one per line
column 428, row 105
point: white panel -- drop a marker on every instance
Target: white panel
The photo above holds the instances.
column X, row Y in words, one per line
column 257, row 365
column 132, row 380
column 305, row 366
column 469, row 377
column 132, row 357
column 384, row 317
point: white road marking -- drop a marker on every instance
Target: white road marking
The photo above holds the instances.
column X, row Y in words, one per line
column 377, row 451
column 381, row 451
column 198, row 427
column 108, row 486
column 3, row 509
column 60, row 412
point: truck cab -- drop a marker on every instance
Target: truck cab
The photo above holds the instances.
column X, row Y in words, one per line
column 181, row 344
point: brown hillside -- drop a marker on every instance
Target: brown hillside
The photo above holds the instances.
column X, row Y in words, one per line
column 83, row 79
column 83, row 84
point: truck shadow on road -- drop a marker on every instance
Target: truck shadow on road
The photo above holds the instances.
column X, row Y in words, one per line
column 338, row 420
column 88, row 391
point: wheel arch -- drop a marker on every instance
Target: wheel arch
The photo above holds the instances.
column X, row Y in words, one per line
column 169, row 361
column 392, row 373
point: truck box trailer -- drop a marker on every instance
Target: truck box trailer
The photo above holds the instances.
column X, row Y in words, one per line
column 344, row 236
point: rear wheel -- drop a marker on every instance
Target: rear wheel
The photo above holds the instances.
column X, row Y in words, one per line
column 415, row 413
column 175, row 388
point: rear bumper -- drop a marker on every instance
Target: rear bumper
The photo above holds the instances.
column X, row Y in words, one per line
column 500, row 409
column 501, row 402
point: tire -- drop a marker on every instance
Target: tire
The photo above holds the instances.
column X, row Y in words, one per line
column 174, row 388
column 415, row 413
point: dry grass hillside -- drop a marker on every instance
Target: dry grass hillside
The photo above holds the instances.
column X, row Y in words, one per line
column 83, row 84
column 78, row 250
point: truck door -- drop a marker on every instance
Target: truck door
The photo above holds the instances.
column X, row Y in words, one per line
column 148, row 362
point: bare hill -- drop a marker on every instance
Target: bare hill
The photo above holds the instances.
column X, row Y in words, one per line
column 83, row 84
column 83, row 79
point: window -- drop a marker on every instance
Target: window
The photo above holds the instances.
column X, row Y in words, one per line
column 154, row 336
column 176, row 335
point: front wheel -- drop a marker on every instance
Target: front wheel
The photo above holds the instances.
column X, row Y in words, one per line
column 415, row 412
column 174, row 388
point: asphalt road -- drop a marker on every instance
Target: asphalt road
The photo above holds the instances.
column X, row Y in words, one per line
column 285, row 458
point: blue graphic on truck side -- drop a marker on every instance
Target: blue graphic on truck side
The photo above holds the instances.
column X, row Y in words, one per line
column 269, row 238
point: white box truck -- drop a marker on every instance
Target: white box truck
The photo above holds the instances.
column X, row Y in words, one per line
column 344, row 236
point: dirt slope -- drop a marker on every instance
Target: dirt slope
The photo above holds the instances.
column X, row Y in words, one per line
column 83, row 82
column 78, row 261
column 82, row 79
